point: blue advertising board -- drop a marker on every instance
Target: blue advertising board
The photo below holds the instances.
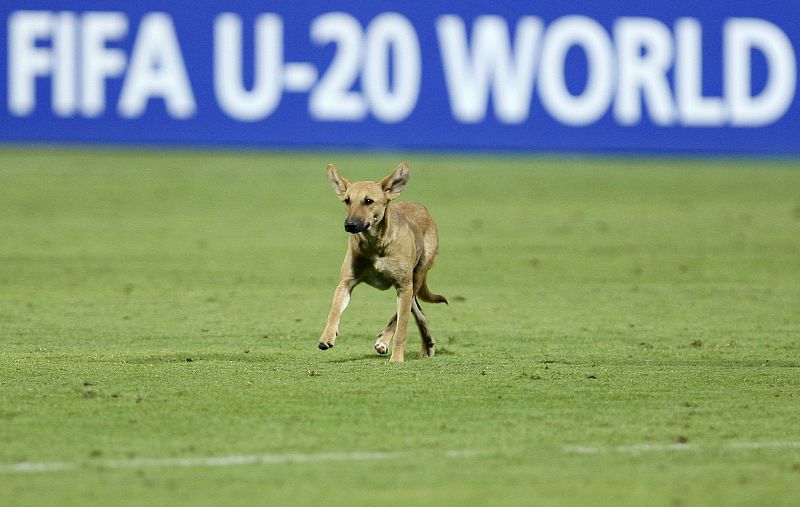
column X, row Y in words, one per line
column 585, row 76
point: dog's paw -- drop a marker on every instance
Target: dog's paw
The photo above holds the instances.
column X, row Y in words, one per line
column 325, row 345
column 381, row 348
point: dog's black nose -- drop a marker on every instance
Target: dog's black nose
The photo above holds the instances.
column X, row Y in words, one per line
column 354, row 226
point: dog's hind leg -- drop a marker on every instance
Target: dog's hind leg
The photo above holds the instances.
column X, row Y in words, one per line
column 428, row 345
column 385, row 336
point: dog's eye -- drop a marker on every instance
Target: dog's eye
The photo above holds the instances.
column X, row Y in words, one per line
column 368, row 201
column 346, row 200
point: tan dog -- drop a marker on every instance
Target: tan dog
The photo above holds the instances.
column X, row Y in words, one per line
column 389, row 246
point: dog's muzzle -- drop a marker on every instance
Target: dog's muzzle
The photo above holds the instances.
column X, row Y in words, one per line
column 354, row 226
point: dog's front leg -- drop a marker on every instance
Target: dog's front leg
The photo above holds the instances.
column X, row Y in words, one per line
column 405, row 295
column 341, row 298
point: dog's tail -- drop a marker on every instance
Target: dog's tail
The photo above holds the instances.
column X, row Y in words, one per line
column 426, row 295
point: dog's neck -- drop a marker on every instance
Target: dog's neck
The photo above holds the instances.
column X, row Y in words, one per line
column 375, row 239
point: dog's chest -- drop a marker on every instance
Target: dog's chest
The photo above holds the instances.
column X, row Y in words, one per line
column 379, row 272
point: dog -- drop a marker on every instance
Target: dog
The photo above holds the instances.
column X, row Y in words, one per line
column 389, row 246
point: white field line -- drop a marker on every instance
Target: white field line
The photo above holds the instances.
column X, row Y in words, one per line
column 650, row 448
column 222, row 461
column 764, row 445
column 277, row 459
column 628, row 449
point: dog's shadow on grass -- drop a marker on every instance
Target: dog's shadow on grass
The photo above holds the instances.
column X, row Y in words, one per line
column 413, row 356
column 363, row 357
column 242, row 357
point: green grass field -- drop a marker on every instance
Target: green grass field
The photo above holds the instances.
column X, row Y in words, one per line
column 621, row 332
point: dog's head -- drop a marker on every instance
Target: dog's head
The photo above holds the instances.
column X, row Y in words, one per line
column 366, row 201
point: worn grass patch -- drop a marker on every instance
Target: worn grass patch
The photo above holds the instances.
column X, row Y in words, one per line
column 166, row 305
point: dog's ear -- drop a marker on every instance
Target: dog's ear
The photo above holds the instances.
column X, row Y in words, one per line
column 394, row 183
column 338, row 182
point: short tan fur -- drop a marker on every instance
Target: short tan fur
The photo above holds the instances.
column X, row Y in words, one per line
column 389, row 246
